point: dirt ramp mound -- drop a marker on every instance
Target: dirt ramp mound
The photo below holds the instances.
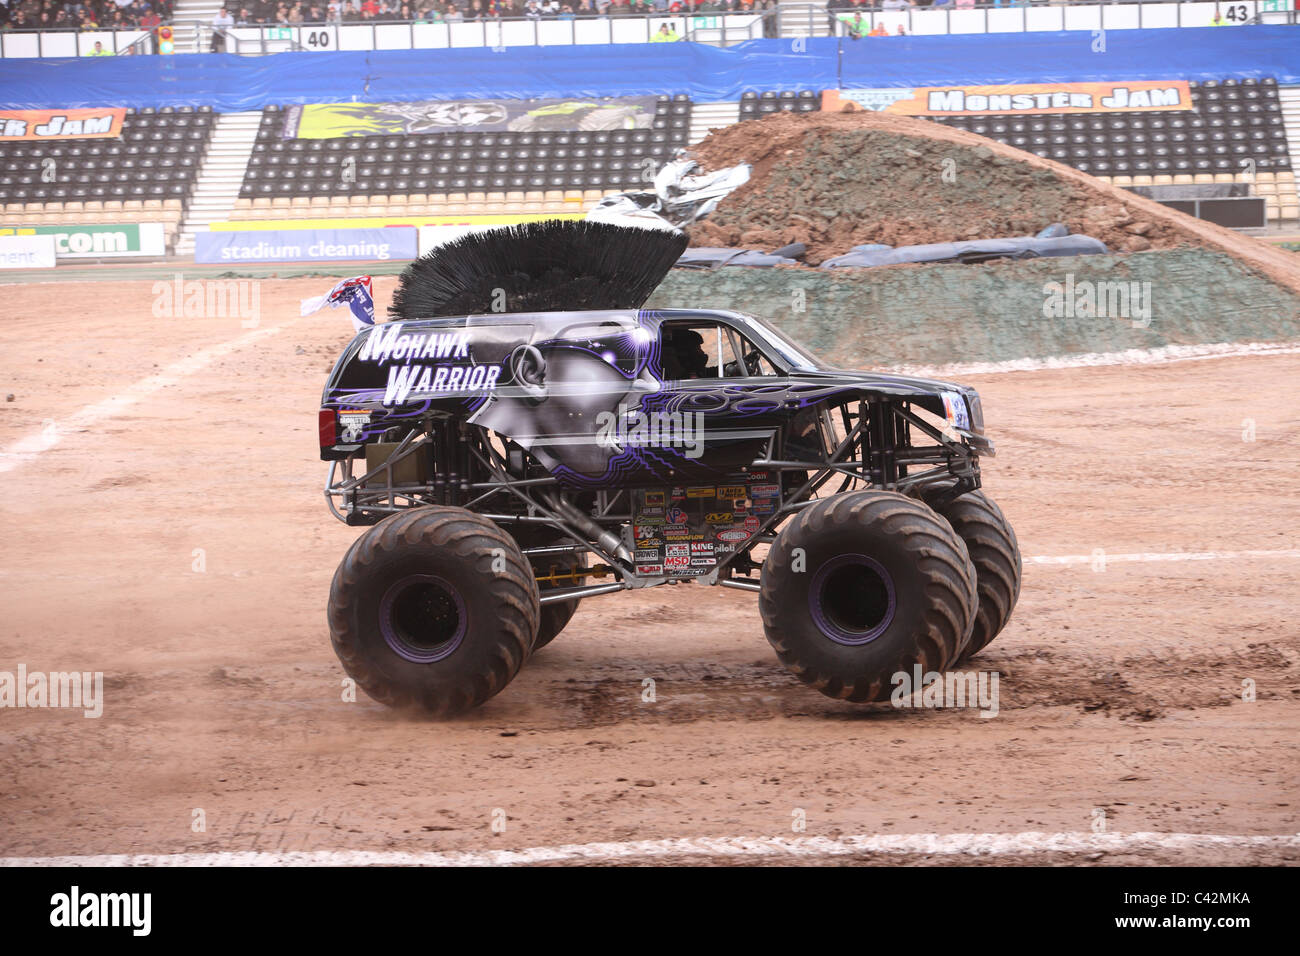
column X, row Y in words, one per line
column 836, row 180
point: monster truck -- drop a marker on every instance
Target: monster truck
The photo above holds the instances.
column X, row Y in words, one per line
column 510, row 462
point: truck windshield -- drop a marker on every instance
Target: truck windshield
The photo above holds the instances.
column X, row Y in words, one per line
column 793, row 354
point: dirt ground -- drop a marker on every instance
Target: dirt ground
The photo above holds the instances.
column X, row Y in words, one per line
column 181, row 545
column 836, row 180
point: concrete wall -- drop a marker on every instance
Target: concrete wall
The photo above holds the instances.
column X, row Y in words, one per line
column 933, row 315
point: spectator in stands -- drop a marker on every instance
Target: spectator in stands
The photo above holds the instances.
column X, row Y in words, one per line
column 221, row 22
column 857, row 27
column 99, row 50
column 454, row 15
column 895, row 4
column 666, row 34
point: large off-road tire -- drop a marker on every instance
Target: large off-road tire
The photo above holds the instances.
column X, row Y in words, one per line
column 996, row 555
column 434, row 608
column 555, row 616
column 862, row 586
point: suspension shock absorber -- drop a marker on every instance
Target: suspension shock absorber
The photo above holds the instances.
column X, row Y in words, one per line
column 438, row 462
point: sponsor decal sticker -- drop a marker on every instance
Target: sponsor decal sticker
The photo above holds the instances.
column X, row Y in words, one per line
column 751, row 524
column 734, row 535
column 701, row 492
column 352, row 424
column 719, row 517
column 764, row 491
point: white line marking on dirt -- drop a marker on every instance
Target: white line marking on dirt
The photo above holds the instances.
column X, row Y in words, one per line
column 1148, row 556
column 29, row 447
column 941, row 844
column 1165, row 355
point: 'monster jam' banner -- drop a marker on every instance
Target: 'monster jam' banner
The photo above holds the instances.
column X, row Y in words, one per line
column 60, row 124
column 1116, row 96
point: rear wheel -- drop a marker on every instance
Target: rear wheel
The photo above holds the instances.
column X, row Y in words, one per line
column 996, row 555
column 862, row 586
column 434, row 608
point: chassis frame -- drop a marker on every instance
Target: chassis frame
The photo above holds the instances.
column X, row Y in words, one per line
column 866, row 442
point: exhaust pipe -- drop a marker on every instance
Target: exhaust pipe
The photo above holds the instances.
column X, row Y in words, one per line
column 608, row 540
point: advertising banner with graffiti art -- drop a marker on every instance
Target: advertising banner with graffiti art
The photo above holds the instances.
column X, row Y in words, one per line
column 331, row 120
column 1119, row 95
column 60, row 124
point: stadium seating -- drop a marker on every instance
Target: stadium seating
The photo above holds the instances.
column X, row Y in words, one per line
column 754, row 105
column 1233, row 133
column 146, row 174
column 501, row 172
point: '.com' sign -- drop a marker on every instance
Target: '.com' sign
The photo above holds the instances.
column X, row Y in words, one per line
column 99, row 242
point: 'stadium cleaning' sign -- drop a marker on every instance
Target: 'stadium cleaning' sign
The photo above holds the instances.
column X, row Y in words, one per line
column 97, row 242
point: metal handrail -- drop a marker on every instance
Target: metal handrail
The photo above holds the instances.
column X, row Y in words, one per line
column 808, row 19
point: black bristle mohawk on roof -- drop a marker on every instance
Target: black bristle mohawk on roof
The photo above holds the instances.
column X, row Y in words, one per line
column 549, row 266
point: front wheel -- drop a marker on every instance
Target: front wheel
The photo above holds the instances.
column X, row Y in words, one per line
column 434, row 608
column 996, row 556
column 863, row 586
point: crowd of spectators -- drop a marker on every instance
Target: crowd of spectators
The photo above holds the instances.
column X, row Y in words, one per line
column 277, row 12
column 84, row 14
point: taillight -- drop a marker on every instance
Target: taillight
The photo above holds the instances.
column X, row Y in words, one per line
column 328, row 437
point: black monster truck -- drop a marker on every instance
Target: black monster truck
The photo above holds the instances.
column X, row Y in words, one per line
column 514, row 460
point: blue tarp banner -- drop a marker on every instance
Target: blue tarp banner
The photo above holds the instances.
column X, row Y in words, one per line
column 307, row 245
column 231, row 83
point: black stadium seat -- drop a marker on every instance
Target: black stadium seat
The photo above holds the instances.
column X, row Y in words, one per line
column 141, row 163
column 1231, row 121
column 455, row 161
